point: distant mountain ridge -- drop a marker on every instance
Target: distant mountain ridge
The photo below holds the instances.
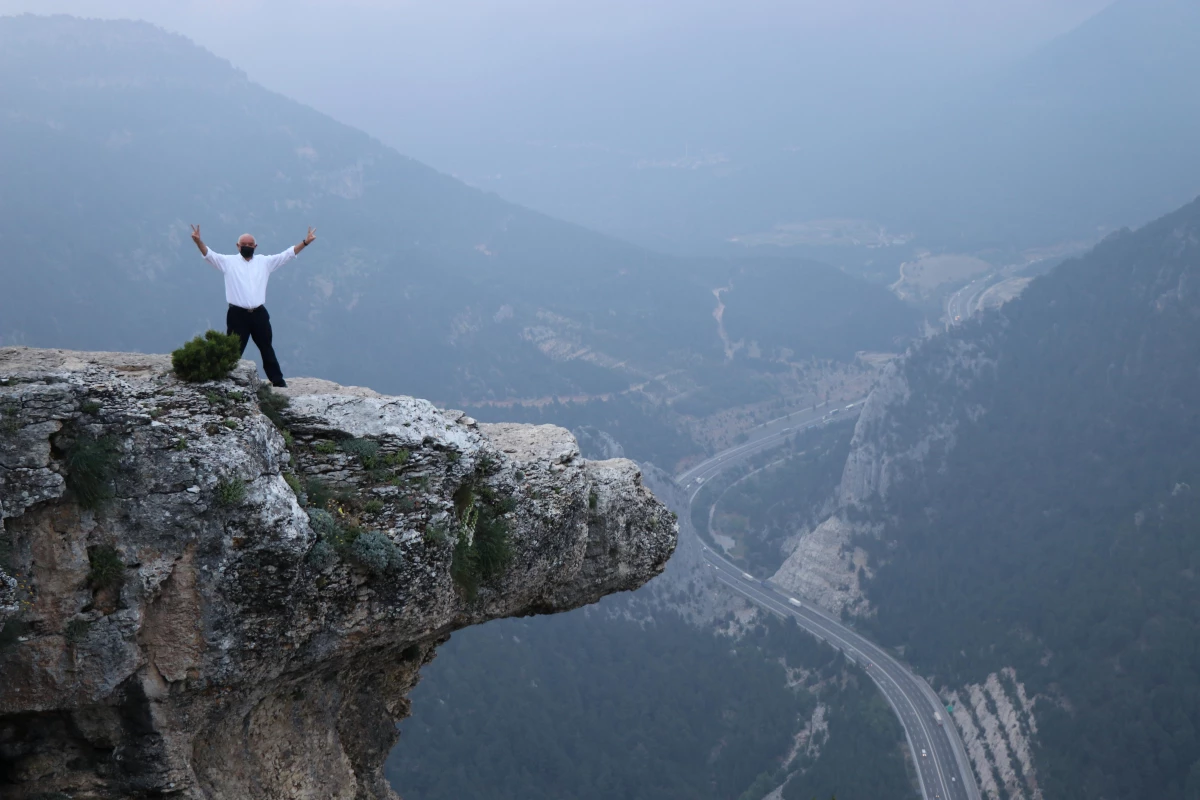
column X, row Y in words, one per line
column 417, row 283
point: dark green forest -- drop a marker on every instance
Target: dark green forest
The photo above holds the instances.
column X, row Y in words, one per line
column 1061, row 534
column 605, row 702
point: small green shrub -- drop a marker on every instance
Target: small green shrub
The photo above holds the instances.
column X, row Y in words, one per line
column 272, row 405
column 481, row 550
column 181, row 445
column 107, row 571
column 406, row 504
column 372, row 550
column 91, row 464
column 325, row 447
column 464, row 568
column 231, row 424
column 213, row 398
column 8, row 420
column 323, row 524
column 435, row 533
column 207, row 358
column 230, row 492
column 492, row 544
column 322, row 555
column 293, row 483
column 77, row 629
column 366, row 450
column 288, row 440
column 376, row 552
column 519, row 475
column 90, row 407
column 373, row 506
column 319, row 492
column 593, row 500
column 237, row 395
column 396, row 459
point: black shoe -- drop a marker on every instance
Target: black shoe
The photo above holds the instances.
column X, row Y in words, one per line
column 281, row 383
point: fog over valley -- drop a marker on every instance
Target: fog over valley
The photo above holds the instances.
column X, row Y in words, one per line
column 733, row 401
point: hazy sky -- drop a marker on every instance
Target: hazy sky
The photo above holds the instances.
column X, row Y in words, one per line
column 341, row 55
column 548, row 102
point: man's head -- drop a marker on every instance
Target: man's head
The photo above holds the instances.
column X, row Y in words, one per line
column 246, row 245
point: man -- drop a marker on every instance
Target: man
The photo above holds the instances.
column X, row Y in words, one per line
column 246, row 277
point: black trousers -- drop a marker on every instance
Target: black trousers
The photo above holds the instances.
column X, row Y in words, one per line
column 255, row 323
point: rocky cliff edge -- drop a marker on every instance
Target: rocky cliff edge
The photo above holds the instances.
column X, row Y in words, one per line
column 200, row 602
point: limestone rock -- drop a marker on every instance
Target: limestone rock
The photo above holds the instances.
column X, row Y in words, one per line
column 204, row 631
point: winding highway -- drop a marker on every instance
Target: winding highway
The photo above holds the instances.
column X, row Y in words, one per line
column 938, row 753
column 961, row 305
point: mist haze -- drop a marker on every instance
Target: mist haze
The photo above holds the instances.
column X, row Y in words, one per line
column 657, row 123
column 893, row 305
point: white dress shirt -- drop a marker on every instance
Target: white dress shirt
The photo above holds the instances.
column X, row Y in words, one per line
column 246, row 281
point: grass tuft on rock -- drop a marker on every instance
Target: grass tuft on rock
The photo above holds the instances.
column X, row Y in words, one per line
column 230, row 492
column 365, row 450
column 272, row 405
column 207, row 358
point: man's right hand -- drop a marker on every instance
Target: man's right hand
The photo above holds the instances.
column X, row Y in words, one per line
column 196, row 239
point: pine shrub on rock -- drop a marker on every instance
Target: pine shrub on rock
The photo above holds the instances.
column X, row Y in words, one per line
column 207, row 358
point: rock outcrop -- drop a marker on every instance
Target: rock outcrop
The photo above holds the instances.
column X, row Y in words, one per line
column 199, row 602
column 895, row 439
column 824, row 566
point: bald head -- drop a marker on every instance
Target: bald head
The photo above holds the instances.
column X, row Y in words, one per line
column 246, row 245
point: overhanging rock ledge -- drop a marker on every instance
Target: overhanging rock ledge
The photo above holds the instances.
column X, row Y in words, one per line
column 242, row 608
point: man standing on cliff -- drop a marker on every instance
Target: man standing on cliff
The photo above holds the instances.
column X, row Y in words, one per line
column 246, row 277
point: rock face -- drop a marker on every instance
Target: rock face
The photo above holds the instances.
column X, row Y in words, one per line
column 895, row 439
column 824, row 567
column 198, row 603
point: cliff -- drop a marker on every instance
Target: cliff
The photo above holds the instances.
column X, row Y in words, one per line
column 200, row 602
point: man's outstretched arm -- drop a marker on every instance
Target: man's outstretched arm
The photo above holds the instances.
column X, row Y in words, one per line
column 278, row 260
column 216, row 259
column 196, row 238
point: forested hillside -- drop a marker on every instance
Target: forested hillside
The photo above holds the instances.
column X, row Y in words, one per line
column 1054, row 529
column 416, row 284
column 606, row 702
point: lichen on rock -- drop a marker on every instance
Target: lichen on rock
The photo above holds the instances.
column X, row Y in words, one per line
column 243, row 609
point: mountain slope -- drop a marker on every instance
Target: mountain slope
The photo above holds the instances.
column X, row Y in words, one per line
column 126, row 134
column 1035, row 476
